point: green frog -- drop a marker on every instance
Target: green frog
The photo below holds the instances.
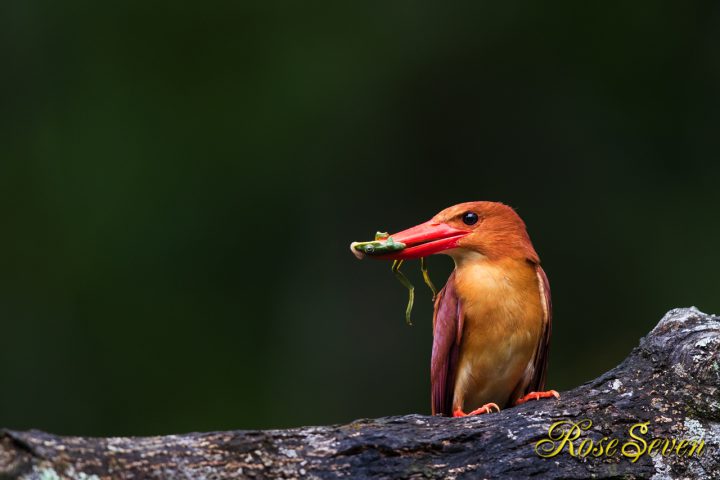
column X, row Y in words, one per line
column 383, row 243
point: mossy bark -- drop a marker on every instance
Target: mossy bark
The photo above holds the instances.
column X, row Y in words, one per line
column 671, row 380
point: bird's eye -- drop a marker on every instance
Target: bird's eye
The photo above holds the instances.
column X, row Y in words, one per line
column 470, row 218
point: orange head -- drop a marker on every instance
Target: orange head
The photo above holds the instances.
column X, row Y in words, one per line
column 490, row 229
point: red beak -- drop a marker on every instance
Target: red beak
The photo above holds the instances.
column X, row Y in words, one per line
column 425, row 239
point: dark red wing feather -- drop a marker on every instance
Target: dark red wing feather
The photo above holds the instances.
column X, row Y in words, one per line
column 447, row 329
column 541, row 354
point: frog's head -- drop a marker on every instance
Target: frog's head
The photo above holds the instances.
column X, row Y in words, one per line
column 383, row 244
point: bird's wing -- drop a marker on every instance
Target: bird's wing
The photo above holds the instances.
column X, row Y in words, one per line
column 447, row 328
column 541, row 353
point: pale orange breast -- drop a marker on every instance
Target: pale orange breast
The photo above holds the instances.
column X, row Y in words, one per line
column 503, row 319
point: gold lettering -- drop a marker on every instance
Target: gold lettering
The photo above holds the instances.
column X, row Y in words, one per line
column 612, row 447
column 653, row 445
column 696, row 445
column 681, row 447
column 665, row 450
column 586, row 442
column 564, row 433
column 558, row 438
column 600, row 449
column 639, row 447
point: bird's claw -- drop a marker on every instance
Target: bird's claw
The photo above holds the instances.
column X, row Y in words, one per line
column 537, row 396
column 487, row 408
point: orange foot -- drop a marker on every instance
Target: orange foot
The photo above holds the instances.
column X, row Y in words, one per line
column 537, row 396
column 487, row 408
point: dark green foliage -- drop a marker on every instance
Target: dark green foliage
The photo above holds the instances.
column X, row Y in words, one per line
column 179, row 186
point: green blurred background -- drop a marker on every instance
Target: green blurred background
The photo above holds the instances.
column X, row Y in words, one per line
column 179, row 185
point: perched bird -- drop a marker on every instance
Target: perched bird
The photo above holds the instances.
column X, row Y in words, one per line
column 492, row 320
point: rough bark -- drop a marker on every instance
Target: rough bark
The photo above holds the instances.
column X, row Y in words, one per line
column 671, row 380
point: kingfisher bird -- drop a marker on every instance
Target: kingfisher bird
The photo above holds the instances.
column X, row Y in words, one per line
column 492, row 319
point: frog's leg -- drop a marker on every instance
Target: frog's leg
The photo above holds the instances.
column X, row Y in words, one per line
column 404, row 280
column 426, row 277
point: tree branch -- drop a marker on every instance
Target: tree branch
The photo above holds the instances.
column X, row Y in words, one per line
column 672, row 380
